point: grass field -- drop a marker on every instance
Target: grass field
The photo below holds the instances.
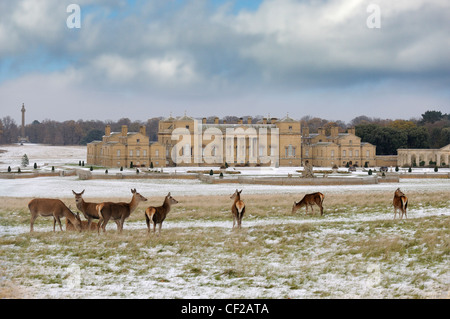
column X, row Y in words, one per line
column 356, row 250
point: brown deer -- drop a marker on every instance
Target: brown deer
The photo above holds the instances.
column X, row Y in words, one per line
column 84, row 225
column 310, row 199
column 89, row 210
column 47, row 207
column 238, row 208
column 400, row 202
column 118, row 211
column 158, row 214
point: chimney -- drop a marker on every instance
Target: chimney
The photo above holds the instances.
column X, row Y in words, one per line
column 204, row 120
column 352, row 131
column 321, row 131
column 124, row 130
column 216, row 120
column 334, row 131
column 305, row 132
column 142, row 130
column 264, row 120
column 241, row 121
column 224, row 121
column 108, row 130
column 249, row 120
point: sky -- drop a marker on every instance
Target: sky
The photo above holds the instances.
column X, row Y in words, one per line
column 334, row 59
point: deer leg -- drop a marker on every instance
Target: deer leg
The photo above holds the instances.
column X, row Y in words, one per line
column 105, row 221
column 122, row 220
column 147, row 221
column 312, row 209
column 33, row 218
column 159, row 228
column 59, row 222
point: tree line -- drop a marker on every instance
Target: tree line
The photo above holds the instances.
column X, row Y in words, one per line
column 432, row 130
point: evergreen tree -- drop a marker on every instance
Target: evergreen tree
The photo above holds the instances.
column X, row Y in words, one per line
column 25, row 160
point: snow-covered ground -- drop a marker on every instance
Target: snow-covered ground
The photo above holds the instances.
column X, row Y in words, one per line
column 317, row 263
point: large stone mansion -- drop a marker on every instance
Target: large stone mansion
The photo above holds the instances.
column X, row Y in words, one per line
column 184, row 141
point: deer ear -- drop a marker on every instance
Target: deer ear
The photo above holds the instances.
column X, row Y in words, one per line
column 82, row 192
column 133, row 190
column 73, row 192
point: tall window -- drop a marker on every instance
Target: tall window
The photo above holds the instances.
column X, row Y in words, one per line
column 344, row 153
column 131, row 153
column 367, row 153
column 118, row 153
column 290, row 150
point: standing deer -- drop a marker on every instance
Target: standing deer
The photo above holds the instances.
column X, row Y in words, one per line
column 310, row 199
column 400, row 202
column 238, row 208
column 47, row 207
column 118, row 211
column 89, row 210
column 158, row 214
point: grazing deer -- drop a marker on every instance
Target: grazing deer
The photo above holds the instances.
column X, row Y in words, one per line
column 400, row 202
column 84, row 225
column 158, row 214
column 310, row 199
column 118, row 211
column 47, row 207
column 89, row 210
column 238, row 208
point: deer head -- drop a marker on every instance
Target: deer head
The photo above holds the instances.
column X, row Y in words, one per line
column 78, row 196
column 236, row 193
column 170, row 199
column 138, row 197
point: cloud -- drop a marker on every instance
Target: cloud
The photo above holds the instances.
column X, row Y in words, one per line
column 191, row 54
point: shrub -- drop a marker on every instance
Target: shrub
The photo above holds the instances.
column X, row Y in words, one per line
column 211, row 173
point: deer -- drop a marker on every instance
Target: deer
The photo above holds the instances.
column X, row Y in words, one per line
column 238, row 208
column 310, row 199
column 89, row 210
column 400, row 202
column 47, row 207
column 84, row 225
column 118, row 211
column 158, row 214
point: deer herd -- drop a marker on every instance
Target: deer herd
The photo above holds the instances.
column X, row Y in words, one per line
column 118, row 212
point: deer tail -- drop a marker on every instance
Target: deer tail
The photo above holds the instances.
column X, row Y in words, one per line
column 322, row 197
column 149, row 212
column 404, row 202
